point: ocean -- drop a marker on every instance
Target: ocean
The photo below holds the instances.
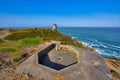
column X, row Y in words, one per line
column 106, row 40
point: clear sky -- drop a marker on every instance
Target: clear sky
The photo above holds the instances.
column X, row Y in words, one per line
column 78, row 13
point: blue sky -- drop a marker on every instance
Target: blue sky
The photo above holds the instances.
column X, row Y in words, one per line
column 78, row 13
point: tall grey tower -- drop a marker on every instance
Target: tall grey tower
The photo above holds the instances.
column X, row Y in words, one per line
column 54, row 27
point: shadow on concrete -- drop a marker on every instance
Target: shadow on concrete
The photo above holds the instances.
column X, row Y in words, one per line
column 47, row 62
column 44, row 59
column 45, row 52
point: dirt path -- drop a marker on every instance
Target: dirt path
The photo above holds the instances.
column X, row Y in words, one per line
column 5, row 33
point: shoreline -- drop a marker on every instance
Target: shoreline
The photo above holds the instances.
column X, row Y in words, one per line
column 98, row 51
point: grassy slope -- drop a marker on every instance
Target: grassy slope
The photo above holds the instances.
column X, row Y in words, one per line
column 19, row 39
column 1, row 41
column 45, row 35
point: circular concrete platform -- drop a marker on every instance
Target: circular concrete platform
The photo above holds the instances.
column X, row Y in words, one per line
column 58, row 60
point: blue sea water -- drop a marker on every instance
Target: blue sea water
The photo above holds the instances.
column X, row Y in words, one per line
column 106, row 40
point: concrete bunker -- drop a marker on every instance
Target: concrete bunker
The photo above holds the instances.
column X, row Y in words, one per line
column 71, row 70
column 56, row 59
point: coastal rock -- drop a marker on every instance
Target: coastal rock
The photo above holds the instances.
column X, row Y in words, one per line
column 114, row 66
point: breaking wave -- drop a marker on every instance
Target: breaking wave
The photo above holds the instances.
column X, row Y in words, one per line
column 106, row 50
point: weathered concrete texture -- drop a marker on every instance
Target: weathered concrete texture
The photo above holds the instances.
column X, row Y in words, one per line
column 62, row 58
column 89, row 66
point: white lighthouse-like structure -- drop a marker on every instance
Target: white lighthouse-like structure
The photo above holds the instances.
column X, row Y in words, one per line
column 54, row 27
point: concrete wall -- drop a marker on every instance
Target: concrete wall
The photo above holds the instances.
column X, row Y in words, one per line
column 45, row 51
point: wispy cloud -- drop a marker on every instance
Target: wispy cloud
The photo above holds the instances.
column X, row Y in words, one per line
column 92, row 20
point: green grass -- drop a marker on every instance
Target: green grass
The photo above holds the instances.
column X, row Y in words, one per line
column 31, row 41
column 7, row 50
column 1, row 61
column 45, row 34
column 15, row 48
column 1, row 41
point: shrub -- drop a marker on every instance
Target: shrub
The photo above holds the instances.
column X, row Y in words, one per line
column 17, row 59
column 7, row 50
column 115, row 74
column 1, row 41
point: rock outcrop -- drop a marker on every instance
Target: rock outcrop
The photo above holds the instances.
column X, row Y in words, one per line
column 114, row 66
